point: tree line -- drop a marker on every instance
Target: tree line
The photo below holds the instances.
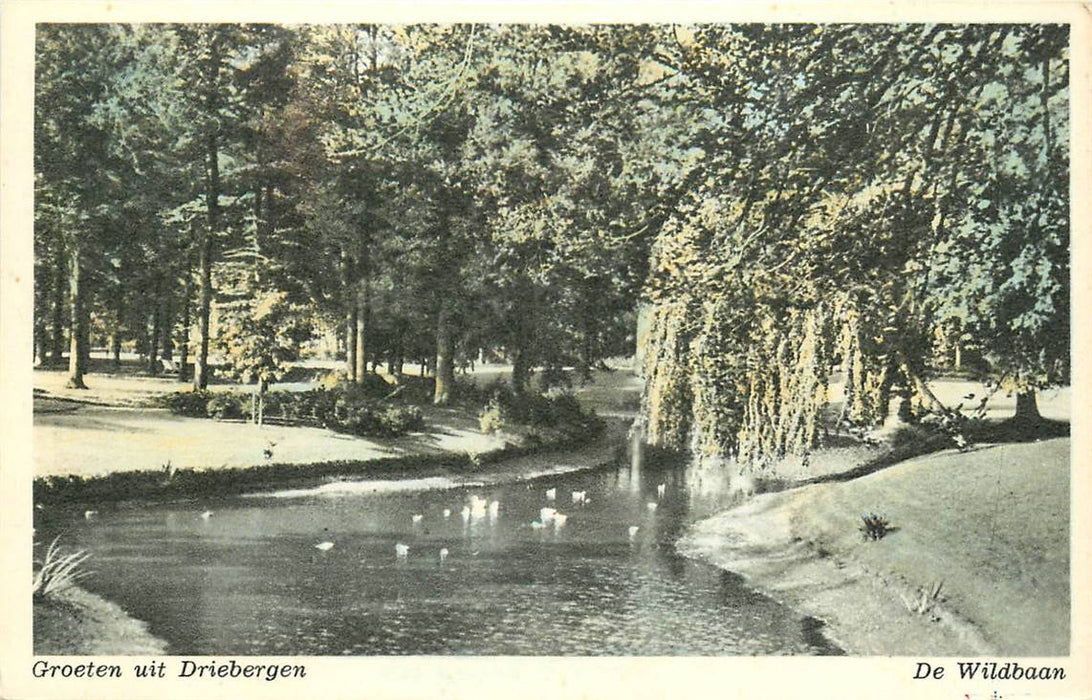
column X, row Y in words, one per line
column 776, row 200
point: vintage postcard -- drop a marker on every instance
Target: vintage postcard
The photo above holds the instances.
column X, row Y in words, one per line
column 525, row 349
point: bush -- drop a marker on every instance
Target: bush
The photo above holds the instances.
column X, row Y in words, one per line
column 375, row 419
column 224, row 406
column 419, row 390
column 874, row 526
column 541, row 417
column 187, row 403
column 347, row 409
column 492, row 418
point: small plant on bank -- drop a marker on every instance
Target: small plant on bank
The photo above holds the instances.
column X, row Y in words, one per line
column 925, row 601
column 874, row 527
column 492, row 418
column 56, row 572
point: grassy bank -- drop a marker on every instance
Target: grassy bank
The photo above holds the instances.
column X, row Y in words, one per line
column 76, row 622
column 183, row 483
column 976, row 560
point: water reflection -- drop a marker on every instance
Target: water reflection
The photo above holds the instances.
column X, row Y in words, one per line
column 499, row 570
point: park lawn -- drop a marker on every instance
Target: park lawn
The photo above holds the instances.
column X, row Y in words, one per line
column 992, row 524
column 101, row 440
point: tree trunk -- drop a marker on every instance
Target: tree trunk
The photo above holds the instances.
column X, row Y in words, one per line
column 349, row 302
column 928, row 398
column 445, row 356
column 167, row 321
column 115, row 335
column 521, row 370
column 85, row 329
column 350, row 342
column 115, row 347
column 361, row 353
column 157, row 331
column 394, row 358
column 184, row 339
column 39, row 341
column 523, row 359
column 1027, row 407
column 57, row 348
column 200, row 365
column 212, row 203
column 77, row 334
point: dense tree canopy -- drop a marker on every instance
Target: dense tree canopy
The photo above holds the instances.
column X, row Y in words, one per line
column 779, row 202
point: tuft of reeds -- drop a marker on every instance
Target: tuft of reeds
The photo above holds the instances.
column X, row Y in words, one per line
column 56, row 571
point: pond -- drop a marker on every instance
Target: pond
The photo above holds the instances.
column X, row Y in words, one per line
column 321, row 573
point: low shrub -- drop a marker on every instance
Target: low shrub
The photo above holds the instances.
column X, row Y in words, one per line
column 540, row 417
column 187, row 403
column 348, row 408
column 492, row 418
column 377, row 419
column 223, row 406
column 874, row 527
column 416, row 389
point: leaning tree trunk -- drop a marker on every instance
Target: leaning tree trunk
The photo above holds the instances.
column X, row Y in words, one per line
column 928, row 398
column 445, row 356
column 77, row 334
column 1027, row 407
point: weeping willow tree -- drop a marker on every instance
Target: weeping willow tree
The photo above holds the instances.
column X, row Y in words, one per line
column 859, row 188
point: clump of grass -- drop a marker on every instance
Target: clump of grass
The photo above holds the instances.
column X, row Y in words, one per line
column 874, row 527
column 926, row 600
column 55, row 571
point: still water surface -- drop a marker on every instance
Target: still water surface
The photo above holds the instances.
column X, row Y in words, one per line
column 249, row 579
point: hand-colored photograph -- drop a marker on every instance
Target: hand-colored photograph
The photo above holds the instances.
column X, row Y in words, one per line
column 696, row 339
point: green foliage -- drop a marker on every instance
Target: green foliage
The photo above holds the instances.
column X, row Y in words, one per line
column 492, row 418
column 187, row 403
column 784, row 199
column 883, row 198
column 224, row 405
column 386, row 420
column 349, row 409
column 558, row 416
column 262, row 337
